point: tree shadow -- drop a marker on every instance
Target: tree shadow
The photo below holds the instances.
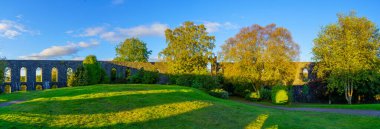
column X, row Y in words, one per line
column 75, row 91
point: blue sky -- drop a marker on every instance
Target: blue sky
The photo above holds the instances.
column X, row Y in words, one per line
column 72, row 29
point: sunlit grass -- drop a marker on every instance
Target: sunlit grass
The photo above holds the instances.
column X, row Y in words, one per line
column 106, row 119
column 155, row 106
column 258, row 123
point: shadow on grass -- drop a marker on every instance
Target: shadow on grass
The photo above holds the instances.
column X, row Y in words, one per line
column 167, row 107
column 75, row 91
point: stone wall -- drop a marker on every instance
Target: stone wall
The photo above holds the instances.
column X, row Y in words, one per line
column 47, row 66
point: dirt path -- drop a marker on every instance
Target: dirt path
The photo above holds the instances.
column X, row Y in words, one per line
column 375, row 113
column 10, row 103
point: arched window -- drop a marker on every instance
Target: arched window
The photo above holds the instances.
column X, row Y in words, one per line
column 305, row 74
column 23, row 73
column 113, row 74
column 38, row 74
column 69, row 73
column 7, row 74
column 54, row 74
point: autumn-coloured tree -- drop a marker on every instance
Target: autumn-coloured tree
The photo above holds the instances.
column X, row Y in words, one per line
column 347, row 52
column 189, row 48
column 132, row 50
column 260, row 56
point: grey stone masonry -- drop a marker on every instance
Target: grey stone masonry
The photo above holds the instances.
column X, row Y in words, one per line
column 47, row 66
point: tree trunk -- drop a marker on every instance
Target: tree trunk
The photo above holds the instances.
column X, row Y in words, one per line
column 348, row 90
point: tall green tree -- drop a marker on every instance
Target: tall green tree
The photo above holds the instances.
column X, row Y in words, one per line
column 346, row 52
column 132, row 50
column 260, row 56
column 2, row 68
column 93, row 69
column 189, row 48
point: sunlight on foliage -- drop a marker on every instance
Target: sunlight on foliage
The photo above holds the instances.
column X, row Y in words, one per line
column 281, row 97
column 107, row 119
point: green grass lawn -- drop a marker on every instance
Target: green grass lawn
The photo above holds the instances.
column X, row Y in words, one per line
column 155, row 106
column 339, row 106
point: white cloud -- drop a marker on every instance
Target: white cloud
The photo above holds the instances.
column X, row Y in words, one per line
column 10, row 29
column 92, row 31
column 216, row 26
column 116, row 2
column 69, row 32
column 59, row 51
column 118, row 34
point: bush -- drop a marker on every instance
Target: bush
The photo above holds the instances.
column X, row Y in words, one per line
column 23, row 88
column 145, row 77
column 8, row 89
column 38, row 87
column 220, row 93
column 206, row 82
column 184, row 80
column 280, row 94
column 150, row 77
column 253, row 96
column 54, row 87
column 265, row 94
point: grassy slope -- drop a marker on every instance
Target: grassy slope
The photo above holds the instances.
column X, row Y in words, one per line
column 155, row 106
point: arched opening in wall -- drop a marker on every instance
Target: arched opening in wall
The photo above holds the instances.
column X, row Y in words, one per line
column 38, row 74
column 127, row 73
column 69, row 73
column 23, row 72
column 54, row 74
column 7, row 74
column 113, row 74
column 305, row 74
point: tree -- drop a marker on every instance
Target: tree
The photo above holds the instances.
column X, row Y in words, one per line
column 345, row 52
column 260, row 56
column 93, row 69
column 2, row 68
column 132, row 50
column 189, row 48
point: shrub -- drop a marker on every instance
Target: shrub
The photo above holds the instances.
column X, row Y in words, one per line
column 279, row 94
column 253, row 96
column 54, row 87
column 184, row 80
column 150, row 77
column 80, row 77
column 38, row 87
column 206, row 82
column 220, row 93
column 8, row 89
column 265, row 94
column 93, row 69
column 23, row 88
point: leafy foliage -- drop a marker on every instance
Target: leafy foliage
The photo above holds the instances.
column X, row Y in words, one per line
column 220, row 93
column 80, row 77
column 2, row 68
column 280, row 94
column 259, row 56
column 145, row 77
column 189, row 48
column 345, row 52
column 24, row 88
column 265, row 94
column 93, row 69
column 8, row 89
column 39, row 87
column 132, row 50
